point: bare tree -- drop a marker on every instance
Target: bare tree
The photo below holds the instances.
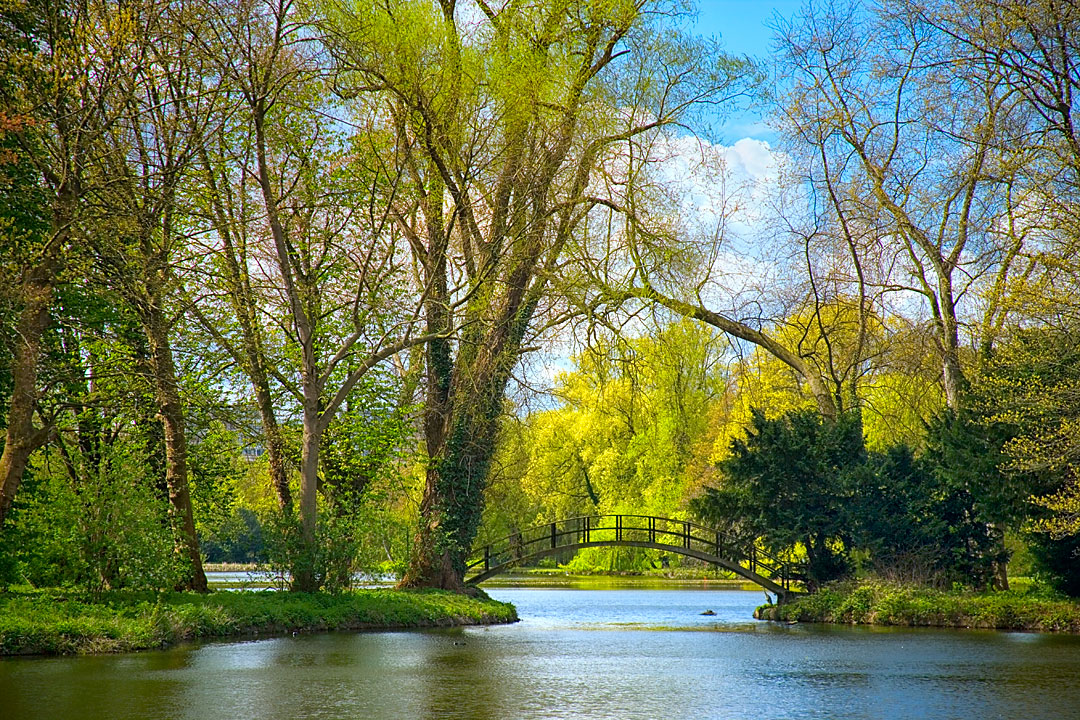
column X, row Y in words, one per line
column 911, row 145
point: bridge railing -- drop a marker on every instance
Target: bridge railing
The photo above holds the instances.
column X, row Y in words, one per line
column 645, row 529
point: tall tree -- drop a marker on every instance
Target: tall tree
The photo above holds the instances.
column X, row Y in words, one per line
column 59, row 66
column 162, row 111
column 296, row 217
column 914, row 145
column 502, row 113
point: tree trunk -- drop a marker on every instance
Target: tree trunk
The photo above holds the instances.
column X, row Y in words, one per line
column 275, row 441
column 432, row 564
column 1001, row 562
column 452, row 504
column 21, row 438
column 176, row 451
column 462, row 432
column 953, row 379
column 304, row 579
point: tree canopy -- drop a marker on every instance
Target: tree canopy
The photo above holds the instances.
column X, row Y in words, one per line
column 345, row 285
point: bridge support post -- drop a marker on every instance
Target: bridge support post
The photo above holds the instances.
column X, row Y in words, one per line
column 652, row 529
column 487, row 558
column 553, row 536
column 686, row 535
column 618, row 527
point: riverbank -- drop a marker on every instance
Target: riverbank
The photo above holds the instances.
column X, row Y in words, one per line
column 55, row 623
column 878, row 603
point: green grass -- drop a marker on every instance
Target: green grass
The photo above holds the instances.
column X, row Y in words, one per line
column 880, row 603
column 53, row 622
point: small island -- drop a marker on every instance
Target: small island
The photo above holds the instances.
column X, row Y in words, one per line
column 57, row 623
column 881, row 603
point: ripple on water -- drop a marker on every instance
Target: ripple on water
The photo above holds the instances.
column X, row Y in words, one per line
column 636, row 653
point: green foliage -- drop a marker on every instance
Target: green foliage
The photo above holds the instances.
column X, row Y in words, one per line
column 920, row 520
column 789, row 482
column 632, row 434
column 612, row 559
column 366, row 438
column 99, row 531
column 1058, row 561
column 216, row 468
column 801, row 482
column 897, row 519
column 501, row 111
column 348, row 523
column 239, row 539
column 1030, row 387
column 24, row 225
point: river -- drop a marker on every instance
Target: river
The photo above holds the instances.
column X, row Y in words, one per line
column 577, row 653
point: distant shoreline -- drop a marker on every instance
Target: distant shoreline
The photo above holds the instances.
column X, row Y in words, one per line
column 527, row 577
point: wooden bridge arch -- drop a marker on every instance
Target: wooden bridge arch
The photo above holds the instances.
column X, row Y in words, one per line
column 682, row 537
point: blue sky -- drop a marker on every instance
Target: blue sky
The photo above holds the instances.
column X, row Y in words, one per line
column 741, row 24
column 741, row 27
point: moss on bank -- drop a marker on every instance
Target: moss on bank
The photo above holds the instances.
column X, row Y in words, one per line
column 878, row 603
column 53, row 623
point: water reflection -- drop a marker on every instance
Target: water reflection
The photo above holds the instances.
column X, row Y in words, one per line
column 577, row 653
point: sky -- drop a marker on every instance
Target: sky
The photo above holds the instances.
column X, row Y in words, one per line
column 741, row 24
column 745, row 143
column 742, row 28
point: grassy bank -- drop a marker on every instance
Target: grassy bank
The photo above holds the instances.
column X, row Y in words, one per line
column 878, row 603
column 54, row 623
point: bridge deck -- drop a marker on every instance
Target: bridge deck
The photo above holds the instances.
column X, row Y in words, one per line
column 739, row 555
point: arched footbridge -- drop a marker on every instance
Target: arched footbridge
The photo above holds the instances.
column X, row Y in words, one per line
column 740, row 556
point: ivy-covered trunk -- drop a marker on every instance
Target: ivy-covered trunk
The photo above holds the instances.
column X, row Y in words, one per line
column 461, row 419
column 452, row 503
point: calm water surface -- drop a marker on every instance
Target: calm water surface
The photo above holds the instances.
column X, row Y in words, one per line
column 577, row 654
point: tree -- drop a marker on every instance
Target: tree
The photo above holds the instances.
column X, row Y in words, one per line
column 501, row 126
column 1030, row 387
column 162, row 109
column 312, row 274
column 789, row 482
column 935, row 178
column 50, row 120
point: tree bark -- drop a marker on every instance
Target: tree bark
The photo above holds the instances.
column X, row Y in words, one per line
column 21, row 438
column 176, row 450
column 461, row 430
column 452, row 503
column 304, row 579
column 275, row 450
